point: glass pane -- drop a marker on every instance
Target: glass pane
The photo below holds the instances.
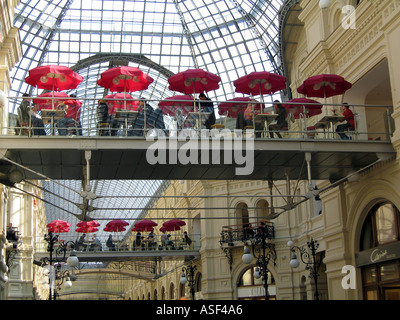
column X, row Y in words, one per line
column 372, row 295
column 370, row 275
column 386, row 224
column 246, row 278
column 389, row 272
column 392, row 294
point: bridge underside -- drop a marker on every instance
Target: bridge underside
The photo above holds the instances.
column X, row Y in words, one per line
column 136, row 159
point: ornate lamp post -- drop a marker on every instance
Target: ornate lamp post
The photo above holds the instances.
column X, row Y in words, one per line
column 263, row 251
column 188, row 276
column 309, row 258
column 57, row 255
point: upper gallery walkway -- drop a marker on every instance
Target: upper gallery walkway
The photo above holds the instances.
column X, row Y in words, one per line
column 309, row 147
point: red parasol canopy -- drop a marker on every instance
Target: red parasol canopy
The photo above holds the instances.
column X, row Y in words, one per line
column 171, row 104
column 236, row 105
column 172, row 225
column 125, row 79
column 58, row 226
column 194, row 81
column 304, row 106
column 129, row 104
column 144, row 225
column 49, row 103
column 88, row 229
column 53, row 77
column 116, row 225
column 91, row 223
column 259, row 83
column 324, row 86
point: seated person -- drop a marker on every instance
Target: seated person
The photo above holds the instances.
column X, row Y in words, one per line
column 154, row 120
column 28, row 117
column 349, row 125
column 110, row 244
column 71, row 118
column 151, row 240
column 169, row 242
column 81, row 243
column 102, row 117
column 96, row 245
column 248, row 117
column 281, row 121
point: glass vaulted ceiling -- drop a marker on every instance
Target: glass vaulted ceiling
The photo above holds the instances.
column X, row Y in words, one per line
column 161, row 37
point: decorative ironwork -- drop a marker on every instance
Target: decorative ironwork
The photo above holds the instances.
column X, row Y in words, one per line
column 310, row 258
column 188, row 276
column 264, row 252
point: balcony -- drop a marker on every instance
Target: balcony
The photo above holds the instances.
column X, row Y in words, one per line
column 237, row 235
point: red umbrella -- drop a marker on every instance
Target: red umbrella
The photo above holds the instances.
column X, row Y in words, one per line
column 88, row 229
column 259, row 83
column 127, row 101
column 234, row 106
column 85, row 224
column 324, row 86
column 171, row 104
column 125, row 79
column 172, row 225
column 145, row 225
column 304, row 106
column 194, row 81
column 53, row 77
column 58, row 226
column 49, row 103
column 116, row 225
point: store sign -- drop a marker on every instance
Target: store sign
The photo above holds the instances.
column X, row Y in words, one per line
column 255, row 291
column 378, row 255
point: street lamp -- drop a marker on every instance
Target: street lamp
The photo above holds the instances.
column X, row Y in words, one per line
column 57, row 255
column 309, row 258
column 188, row 276
column 263, row 251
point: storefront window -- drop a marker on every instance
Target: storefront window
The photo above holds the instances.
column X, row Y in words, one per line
column 251, row 288
column 379, row 242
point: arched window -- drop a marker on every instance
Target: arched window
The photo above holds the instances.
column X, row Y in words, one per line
column 379, row 255
column 242, row 213
column 171, row 291
column 155, row 294
column 381, row 226
column 182, row 291
column 250, row 288
column 162, row 293
column 262, row 210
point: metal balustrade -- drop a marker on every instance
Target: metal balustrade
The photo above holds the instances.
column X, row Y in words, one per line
column 373, row 122
column 233, row 235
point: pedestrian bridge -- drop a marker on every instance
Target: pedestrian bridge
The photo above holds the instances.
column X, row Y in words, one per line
column 135, row 158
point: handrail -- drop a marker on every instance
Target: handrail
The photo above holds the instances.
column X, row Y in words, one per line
column 304, row 127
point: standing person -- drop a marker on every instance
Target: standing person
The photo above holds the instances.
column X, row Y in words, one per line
column 349, row 125
column 71, row 117
column 163, row 238
column 186, row 239
column 281, row 121
column 27, row 117
column 138, row 240
column 207, row 105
